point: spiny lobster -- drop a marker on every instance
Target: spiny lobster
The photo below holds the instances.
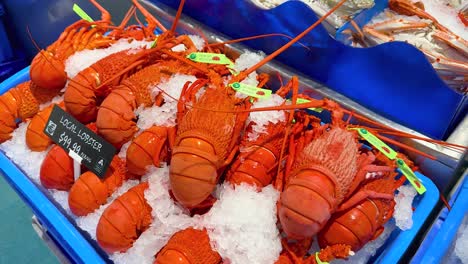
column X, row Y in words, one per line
column 124, row 220
column 36, row 139
column 116, row 117
column 89, row 191
column 188, row 246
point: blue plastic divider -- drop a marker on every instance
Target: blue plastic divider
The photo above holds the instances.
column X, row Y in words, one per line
column 82, row 251
column 441, row 242
column 372, row 76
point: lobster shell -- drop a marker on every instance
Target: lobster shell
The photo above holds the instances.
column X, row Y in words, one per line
column 57, row 170
column 364, row 222
column 89, row 191
column 321, row 176
column 17, row 103
column 149, row 148
column 124, row 220
column 201, row 147
column 188, row 246
column 36, row 139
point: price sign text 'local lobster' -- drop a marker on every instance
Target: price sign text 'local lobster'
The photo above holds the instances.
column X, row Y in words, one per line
column 82, row 144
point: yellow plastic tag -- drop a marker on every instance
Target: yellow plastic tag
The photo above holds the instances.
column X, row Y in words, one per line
column 154, row 42
column 376, row 142
column 412, row 178
column 318, row 260
column 303, row 101
column 212, row 58
column 251, row 90
column 80, row 12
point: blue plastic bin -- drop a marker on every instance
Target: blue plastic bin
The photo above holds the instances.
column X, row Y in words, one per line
column 445, row 229
column 420, row 99
column 72, row 241
column 81, row 250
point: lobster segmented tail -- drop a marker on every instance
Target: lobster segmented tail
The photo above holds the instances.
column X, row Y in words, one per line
column 124, row 220
column 188, row 246
column 17, row 103
column 57, row 170
column 89, row 191
column 320, row 178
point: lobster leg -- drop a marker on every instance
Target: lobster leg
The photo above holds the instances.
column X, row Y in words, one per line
column 360, row 196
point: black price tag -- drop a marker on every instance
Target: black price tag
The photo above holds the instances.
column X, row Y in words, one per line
column 82, row 144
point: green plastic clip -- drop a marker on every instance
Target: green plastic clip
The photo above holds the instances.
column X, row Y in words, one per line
column 211, row 58
column 81, row 13
column 412, row 178
column 303, row 101
column 377, row 143
column 317, row 259
column 251, row 90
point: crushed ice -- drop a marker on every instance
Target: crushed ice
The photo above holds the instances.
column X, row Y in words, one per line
column 262, row 119
column 166, row 114
column 242, row 225
column 18, row 152
column 85, row 58
column 403, row 214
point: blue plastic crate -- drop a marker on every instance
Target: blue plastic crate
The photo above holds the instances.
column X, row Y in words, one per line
column 81, row 250
column 445, row 231
column 420, row 99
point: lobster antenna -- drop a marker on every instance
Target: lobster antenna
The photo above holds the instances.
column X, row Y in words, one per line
column 273, row 55
column 131, row 11
column 32, row 40
column 407, row 135
column 256, row 37
column 177, row 17
column 105, row 15
column 148, row 15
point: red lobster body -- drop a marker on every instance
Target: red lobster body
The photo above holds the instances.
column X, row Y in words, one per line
column 364, row 222
column 321, row 177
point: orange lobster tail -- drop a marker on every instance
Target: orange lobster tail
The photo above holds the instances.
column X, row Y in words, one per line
column 149, row 148
column 17, row 103
column 124, row 220
column 116, row 117
column 89, row 191
column 57, row 170
column 85, row 92
column 201, row 147
column 36, row 139
column 256, row 160
column 320, row 179
column 189, row 246
column 363, row 222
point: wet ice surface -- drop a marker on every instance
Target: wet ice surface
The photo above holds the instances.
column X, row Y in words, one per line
column 323, row 6
column 447, row 15
column 85, row 58
column 246, row 60
column 403, row 214
column 166, row 114
column 262, row 119
column 241, row 225
column 18, row 152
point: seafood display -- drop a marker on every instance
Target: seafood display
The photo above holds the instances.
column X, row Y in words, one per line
column 320, row 7
column 216, row 163
column 425, row 25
